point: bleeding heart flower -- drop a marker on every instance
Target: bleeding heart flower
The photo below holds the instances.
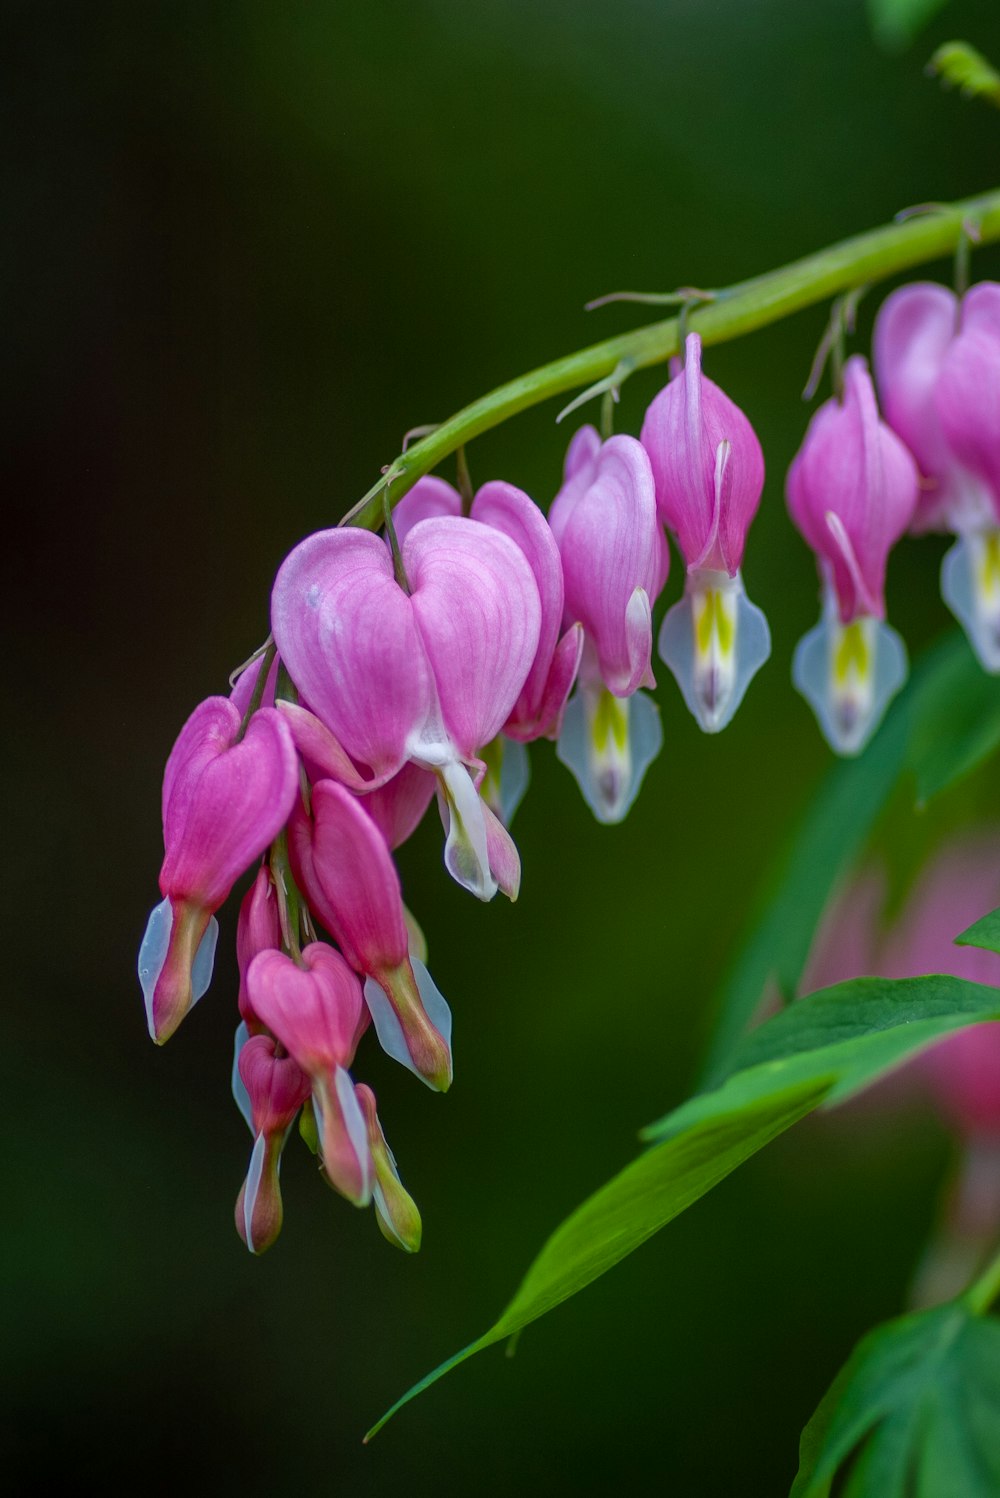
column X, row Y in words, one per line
column 224, row 800
column 852, row 492
column 317, row 1012
column 615, row 560
column 709, row 472
column 938, row 366
column 275, row 1087
column 427, row 675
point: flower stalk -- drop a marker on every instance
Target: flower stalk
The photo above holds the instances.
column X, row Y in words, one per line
column 733, row 311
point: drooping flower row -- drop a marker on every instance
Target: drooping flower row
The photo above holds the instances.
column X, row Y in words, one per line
column 419, row 667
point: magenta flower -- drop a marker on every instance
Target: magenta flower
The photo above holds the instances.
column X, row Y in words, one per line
column 341, row 862
column 615, row 560
column 224, row 800
column 426, row 676
column 539, row 708
column 709, row 472
column 317, row 1012
column 276, row 1087
column 395, row 1210
column 938, row 366
column 852, row 491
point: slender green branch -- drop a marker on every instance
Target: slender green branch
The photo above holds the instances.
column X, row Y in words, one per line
column 734, row 311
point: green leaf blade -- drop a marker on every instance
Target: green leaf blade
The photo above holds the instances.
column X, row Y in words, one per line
column 983, row 933
column 630, row 1208
column 917, row 1407
column 945, row 724
column 823, row 1047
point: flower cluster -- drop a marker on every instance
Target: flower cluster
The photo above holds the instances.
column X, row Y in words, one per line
column 859, row 482
column 419, row 666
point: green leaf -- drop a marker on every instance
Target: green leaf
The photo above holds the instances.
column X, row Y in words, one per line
column 962, row 67
column 953, row 717
column 895, row 23
column 918, row 1405
column 632, row 1206
column 945, row 723
column 853, row 1032
column 982, row 933
column 821, row 1049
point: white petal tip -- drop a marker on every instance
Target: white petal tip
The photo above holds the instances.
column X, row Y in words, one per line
column 970, row 586
column 714, row 641
column 608, row 743
column 849, row 674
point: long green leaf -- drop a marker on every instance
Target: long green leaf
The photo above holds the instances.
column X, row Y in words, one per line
column 945, row 723
column 918, row 1406
column 821, row 1049
column 983, row 933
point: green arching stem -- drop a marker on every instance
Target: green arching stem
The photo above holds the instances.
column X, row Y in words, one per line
column 984, row 1290
column 732, row 312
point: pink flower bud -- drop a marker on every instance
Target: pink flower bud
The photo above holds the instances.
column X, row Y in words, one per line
column 258, row 929
column 852, row 491
column 317, row 1013
column 341, row 862
column 707, row 500
column 276, row 1087
column 223, row 803
column 395, row 1210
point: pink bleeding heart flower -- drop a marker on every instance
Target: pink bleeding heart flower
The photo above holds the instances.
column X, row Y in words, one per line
column 317, row 1012
column 539, row 708
column 224, row 800
column 614, row 562
column 709, row 473
column 852, row 491
column 937, row 361
column 395, row 1210
column 341, row 862
column 427, row 675
column 276, row 1087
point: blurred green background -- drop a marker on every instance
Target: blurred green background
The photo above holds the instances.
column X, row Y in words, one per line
column 248, row 245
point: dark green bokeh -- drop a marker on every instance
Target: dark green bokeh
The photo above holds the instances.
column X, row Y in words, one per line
column 256, row 243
